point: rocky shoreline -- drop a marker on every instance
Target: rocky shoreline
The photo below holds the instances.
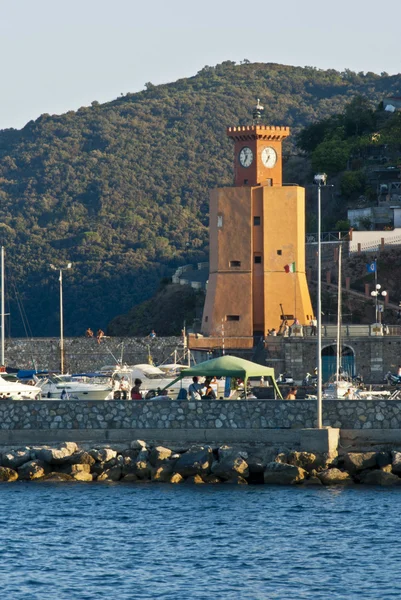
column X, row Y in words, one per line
column 143, row 462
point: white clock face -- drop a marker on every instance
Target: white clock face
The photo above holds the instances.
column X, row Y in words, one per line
column 245, row 156
column 269, row 157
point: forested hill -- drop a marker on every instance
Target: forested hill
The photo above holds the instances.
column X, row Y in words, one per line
column 121, row 189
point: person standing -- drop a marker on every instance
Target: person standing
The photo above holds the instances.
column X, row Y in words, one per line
column 286, row 329
column 99, row 335
column 313, row 326
column 194, row 390
column 135, row 392
column 124, row 388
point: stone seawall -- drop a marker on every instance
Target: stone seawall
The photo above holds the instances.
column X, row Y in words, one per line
column 167, row 419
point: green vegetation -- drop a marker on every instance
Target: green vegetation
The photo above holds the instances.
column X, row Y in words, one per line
column 121, row 189
column 165, row 312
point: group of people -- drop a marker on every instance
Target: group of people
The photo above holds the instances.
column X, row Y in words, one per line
column 123, row 387
column 99, row 335
column 195, row 390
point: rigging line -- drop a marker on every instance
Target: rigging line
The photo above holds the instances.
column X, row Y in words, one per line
column 24, row 318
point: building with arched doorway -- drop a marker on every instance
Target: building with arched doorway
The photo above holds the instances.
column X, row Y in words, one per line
column 329, row 360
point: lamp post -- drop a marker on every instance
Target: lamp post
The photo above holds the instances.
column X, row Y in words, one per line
column 319, row 179
column 377, row 292
column 61, row 269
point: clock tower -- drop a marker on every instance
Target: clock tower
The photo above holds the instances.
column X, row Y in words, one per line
column 257, row 244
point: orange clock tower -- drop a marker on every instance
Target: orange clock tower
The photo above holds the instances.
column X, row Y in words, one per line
column 257, row 243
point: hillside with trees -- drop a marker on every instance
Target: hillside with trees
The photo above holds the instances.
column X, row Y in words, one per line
column 121, row 189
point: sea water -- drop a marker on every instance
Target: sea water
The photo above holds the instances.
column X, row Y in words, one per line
column 208, row 542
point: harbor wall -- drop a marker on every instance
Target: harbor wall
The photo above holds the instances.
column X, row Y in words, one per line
column 223, row 421
column 85, row 354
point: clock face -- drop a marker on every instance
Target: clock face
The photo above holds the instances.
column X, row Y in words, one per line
column 269, row 157
column 245, row 156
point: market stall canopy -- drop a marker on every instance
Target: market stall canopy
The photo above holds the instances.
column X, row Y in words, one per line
column 229, row 366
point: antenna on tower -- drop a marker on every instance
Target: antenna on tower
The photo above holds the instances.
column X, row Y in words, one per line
column 257, row 113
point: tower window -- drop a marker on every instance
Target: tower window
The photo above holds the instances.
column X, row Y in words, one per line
column 258, row 260
column 245, row 181
column 279, row 252
column 256, row 220
column 232, row 317
column 219, row 220
column 235, row 263
column 206, row 319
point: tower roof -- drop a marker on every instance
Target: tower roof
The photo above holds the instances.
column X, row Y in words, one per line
column 258, row 132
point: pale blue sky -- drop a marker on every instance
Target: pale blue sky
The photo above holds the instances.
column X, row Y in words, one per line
column 58, row 55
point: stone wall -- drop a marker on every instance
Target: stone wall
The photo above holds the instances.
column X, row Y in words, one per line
column 83, row 354
column 216, row 415
column 374, row 356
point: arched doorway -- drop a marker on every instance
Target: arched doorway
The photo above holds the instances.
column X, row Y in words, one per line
column 329, row 361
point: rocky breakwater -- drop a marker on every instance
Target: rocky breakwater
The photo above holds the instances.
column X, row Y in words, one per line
column 142, row 462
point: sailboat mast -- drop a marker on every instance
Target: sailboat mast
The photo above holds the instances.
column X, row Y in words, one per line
column 2, row 307
column 338, row 351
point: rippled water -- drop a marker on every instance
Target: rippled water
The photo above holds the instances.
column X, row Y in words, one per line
column 83, row 541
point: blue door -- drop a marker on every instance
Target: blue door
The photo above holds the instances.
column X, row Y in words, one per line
column 329, row 361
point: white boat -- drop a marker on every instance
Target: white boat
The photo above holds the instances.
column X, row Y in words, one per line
column 153, row 379
column 67, row 387
column 13, row 390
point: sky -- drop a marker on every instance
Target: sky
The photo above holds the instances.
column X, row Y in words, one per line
column 59, row 55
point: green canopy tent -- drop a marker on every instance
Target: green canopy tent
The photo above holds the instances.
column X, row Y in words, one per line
column 229, row 366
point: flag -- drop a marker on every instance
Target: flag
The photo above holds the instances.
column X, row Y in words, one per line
column 371, row 267
column 290, row 268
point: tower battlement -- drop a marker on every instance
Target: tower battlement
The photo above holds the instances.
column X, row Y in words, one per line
column 261, row 132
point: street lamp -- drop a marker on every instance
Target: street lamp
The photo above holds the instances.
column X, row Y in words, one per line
column 319, row 179
column 377, row 292
column 61, row 269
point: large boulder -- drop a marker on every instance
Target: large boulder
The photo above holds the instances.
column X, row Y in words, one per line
column 113, row 474
column 103, row 455
column 158, row 455
column 196, row 461
column 16, row 458
column 176, row 478
column 34, row 469
column 230, row 465
column 82, row 476
column 57, row 455
column 305, row 460
column 138, row 445
column 163, row 473
column 380, row 477
column 283, row 474
column 312, row 481
column 334, row 477
column 359, row 461
column 82, row 458
column 142, row 466
column 7, row 474
column 75, row 468
column 383, row 459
